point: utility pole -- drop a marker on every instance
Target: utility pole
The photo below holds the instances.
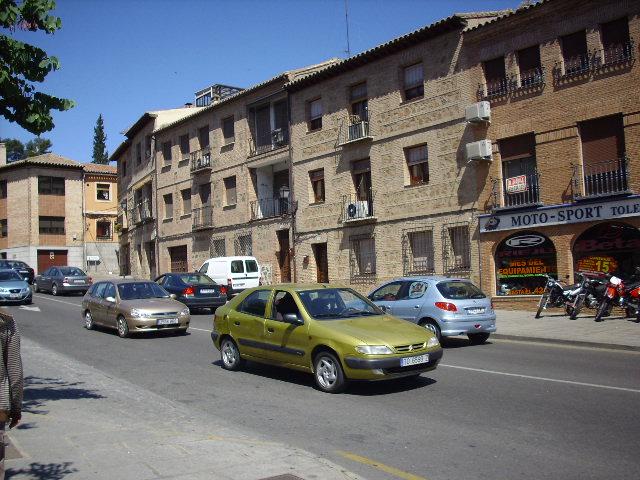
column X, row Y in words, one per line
column 346, row 18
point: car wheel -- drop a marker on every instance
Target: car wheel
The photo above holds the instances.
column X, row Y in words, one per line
column 328, row 373
column 28, row 301
column 478, row 338
column 434, row 328
column 54, row 289
column 123, row 327
column 35, row 287
column 88, row 320
column 230, row 355
column 182, row 331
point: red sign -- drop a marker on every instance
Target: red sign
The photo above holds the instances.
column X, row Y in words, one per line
column 517, row 184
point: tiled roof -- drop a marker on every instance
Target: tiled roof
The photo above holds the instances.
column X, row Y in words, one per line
column 99, row 168
column 508, row 14
column 47, row 160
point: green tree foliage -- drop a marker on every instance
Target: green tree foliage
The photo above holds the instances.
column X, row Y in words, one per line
column 38, row 146
column 15, row 149
column 22, row 65
column 100, row 154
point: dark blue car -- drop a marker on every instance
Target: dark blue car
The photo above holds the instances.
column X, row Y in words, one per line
column 195, row 290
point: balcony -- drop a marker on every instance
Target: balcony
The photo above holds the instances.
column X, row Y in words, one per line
column 122, row 220
column 202, row 218
column 517, row 192
column 269, row 208
column 601, row 179
column 355, row 128
column 621, row 55
column 502, row 88
column 265, row 142
column 357, row 207
column 200, row 160
column 142, row 212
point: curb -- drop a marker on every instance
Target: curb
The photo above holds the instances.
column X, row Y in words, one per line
column 557, row 341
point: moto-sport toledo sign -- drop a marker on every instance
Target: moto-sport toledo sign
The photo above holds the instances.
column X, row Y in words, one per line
column 561, row 215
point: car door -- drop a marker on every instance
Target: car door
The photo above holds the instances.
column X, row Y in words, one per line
column 96, row 306
column 109, row 305
column 247, row 323
column 48, row 279
column 288, row 344
column 53, row 278
column 409, row 305
column 40, row 279
column 387, row 296
column 237, row 274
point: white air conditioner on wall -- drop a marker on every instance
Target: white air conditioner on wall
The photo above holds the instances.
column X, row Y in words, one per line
column 478, row 112
column 479, row 151
column 357, row 209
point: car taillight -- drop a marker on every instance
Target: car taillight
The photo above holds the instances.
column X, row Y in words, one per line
column 188, row 292
column 449, row 307
column 223, row 290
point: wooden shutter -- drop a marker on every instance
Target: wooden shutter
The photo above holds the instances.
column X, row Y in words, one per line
column 522, row 146
column 494, row 70
column 574, row 45
column 602, row 140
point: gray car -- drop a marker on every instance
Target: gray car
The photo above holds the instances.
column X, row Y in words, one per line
column 13, row 288
column 446, row 306
column 60, row 280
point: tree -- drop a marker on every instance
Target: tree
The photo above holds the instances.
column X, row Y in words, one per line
column 15, row 149
column 22, row 65
column 38, row 146
column 100, row 154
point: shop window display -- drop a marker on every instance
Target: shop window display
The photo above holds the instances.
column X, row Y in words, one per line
column 608, row 248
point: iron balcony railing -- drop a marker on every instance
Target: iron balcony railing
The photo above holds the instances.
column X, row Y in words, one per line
column 265, row 141
column 202, row 217
column 200, row 160
column 601, row 179
column 357, row 206
column 594, row 60
column 142, row 211
column 504, row 87
column 521, row 191
column 269, row 208
column 104, row 236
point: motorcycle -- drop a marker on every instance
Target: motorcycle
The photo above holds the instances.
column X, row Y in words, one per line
column 556, row 295
column 621, row 293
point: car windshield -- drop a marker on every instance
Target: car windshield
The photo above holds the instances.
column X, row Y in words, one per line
column 457, row 290
column 9, row 276
column 196, row 279
column 141, row 290
column 336, row 303
column 72, row 272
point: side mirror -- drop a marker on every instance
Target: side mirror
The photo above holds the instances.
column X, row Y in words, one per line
column 173, row 295
column 110, row 299
column 293, row 319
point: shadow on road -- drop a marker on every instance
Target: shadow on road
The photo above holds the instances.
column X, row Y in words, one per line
column 38, row 391
column 460, row 342
column 42, row 471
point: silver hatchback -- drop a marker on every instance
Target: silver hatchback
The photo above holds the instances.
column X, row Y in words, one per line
column 446, row 306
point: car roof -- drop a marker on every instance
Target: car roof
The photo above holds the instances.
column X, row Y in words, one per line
column 430, row 279
column 120, row 281
column 299, row 287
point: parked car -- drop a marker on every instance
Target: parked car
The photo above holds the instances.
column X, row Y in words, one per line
column 61, row 280
column 14, row 288
column 237, row 273
column 133, row 306
column 195, row 290
column 24, row 270
column 330, row 331
column 446, row 306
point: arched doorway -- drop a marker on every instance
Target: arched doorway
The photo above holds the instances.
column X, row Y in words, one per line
column 522, row 261
column 609, row 247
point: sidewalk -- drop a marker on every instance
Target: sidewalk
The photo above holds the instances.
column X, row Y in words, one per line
column 614, row 332
column 81, row 424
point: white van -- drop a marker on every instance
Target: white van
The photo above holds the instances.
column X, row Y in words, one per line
column 237, row 273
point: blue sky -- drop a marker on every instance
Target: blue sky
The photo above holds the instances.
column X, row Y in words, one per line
column 124, row 57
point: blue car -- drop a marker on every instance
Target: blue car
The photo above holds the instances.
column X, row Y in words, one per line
column 13, row 288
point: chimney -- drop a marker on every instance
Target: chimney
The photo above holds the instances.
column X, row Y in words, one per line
column 3, row 154
column 188, row 105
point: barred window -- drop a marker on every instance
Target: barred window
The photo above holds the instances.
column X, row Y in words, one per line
column 413, row 81
column 419, row 253
column 218, row 247
column 51, row 225
column 244, row 245
column 51, row 185
column 362, row 257
column 315, row 114
column 457, row 248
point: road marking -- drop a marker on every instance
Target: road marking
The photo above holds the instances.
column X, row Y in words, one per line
column 59, row 301
column 380, row 466
column 200, row 329
column 545, row 379
column 31, row 309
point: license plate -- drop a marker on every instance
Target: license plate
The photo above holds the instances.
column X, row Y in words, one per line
column 475, row 311
column 14, row 295
column 78, row 281
column 168, row 321
column 207, row 290
column 407, row 361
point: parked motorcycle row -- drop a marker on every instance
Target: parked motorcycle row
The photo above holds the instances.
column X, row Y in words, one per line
column 599, row 292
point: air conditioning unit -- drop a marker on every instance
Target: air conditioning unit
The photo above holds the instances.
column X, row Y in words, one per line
column 357, row 209
column 478, row 112
column 480, row 150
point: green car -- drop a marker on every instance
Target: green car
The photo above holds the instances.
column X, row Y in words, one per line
column 330, row 331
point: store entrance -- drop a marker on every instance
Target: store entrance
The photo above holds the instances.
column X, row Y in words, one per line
column 610, row 247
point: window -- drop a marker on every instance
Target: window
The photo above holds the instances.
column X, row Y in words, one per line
column 204, row 191
column 147, row 146
column 616, row 42
column 574, row 52
column 495, row 76
column 168, row 205
column 203, row 136
column 98, row 291
column 166, row 151
column 362, row 256
column 110, row 291
column 359, row 105
column 419, row 255
column 529, row 66
column 228, row 130
column 103, row 230
column 520, row 184
column 51, row 225
column 389, row 293
column 184, row 144
column 457, row 252
column 103, row 191
column 244, row 245
column 3, row 189
column 186, row 201
column 218, row 248
column 230, row 190
column 3, row 228
column 138, row 153
column 255, row 303
column 413, row 77
column 317, row 185
column 283, row 304
column 51, row 185
column 237, row 266
column 418, row 164
column 457, row 290
column 315, row 114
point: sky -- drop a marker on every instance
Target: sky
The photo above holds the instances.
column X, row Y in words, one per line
column 120, row 58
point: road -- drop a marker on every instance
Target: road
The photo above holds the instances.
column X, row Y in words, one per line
column 500, row 410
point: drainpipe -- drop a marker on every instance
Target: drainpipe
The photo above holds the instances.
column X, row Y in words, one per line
column 84, row 222
column 156, row 243
column 292, row 198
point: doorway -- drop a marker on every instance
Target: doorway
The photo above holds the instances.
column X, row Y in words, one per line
column 284, row 256
column 322, row 262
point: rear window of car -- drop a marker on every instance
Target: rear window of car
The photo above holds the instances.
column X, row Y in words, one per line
column 459, row 290
column 252, row 266
column 237, row 266
column 72, row 272
column 196, row 279
column 9, row 276
column 204, row 267
column 141, row 290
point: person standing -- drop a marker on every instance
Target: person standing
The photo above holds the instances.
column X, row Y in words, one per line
column 11, row 380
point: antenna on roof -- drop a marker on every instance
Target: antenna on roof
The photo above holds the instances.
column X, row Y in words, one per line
column 346, row 18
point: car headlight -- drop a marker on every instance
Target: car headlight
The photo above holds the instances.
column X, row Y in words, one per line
column 139, row 313
column 433, row 342
column 374, row 349
column 184, row 312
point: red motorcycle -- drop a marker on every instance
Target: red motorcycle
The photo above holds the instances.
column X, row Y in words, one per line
column 621, row 293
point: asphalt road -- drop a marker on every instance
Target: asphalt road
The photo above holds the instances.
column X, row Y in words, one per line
column 504, row 410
